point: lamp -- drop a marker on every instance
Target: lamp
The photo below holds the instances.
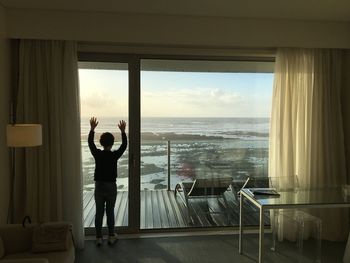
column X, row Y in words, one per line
column 20, row 135
column 24, row 135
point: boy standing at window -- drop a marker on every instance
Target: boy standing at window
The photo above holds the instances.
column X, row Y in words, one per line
column 105, row 178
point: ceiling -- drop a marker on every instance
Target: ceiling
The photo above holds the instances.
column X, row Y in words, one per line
column 320, row 10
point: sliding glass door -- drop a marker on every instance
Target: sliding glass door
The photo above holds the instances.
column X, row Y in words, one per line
column 204, row 130
column 196, row 129
column 104, row 89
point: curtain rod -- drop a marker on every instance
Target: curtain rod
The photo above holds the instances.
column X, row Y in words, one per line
column 172, row 50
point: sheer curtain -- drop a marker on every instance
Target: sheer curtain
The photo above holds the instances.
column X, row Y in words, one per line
column 306, row 133
column 48, row 178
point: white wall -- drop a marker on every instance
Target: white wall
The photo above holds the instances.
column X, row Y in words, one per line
column 175, row 30
column 4, row 116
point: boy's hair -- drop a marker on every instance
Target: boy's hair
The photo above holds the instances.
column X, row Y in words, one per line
column 107, row 139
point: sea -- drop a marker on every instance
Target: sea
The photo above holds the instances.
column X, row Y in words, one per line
column 191, row 147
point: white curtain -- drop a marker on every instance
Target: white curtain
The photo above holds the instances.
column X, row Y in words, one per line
column 306, row 133
column 49, row 176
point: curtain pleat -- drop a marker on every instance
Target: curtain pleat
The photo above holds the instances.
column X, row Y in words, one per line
column 49, row 94
column 306, row 133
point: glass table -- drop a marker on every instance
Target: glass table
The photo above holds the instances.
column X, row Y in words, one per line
column 313, row 198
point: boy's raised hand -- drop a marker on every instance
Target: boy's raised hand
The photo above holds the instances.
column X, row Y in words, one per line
column 93, row 123
column 122, row 125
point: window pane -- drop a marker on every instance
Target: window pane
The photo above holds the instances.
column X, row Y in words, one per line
column 104, row 95
column 213, row 119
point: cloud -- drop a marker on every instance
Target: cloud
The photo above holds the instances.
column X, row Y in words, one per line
column 182, row 102
column 103, row 104
column 216, row 92
column 193, row 102
column 96, row 100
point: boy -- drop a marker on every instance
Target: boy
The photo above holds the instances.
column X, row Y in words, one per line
column 105, row 178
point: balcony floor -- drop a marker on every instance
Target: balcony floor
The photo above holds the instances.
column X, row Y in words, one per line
column 160, row 209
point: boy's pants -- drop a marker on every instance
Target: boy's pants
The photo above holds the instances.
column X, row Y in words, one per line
column 105, row 194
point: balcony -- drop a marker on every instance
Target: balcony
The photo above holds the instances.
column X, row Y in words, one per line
column 181, row 161
column 160, row 210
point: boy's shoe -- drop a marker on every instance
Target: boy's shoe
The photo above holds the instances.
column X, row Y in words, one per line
column 112, row 239
column 98, row 241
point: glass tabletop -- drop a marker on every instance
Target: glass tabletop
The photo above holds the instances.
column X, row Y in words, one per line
column 314, row 197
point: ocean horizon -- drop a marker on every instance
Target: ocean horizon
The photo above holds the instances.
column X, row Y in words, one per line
column 183, row 125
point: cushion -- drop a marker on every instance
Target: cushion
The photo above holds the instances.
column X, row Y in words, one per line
column 49, row 237
column 16, row 238
column 25, row 260
column 2, row 248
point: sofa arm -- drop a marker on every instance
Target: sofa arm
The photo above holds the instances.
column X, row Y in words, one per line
column 25, row 260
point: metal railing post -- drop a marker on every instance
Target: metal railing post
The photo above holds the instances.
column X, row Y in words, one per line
column 168, row 165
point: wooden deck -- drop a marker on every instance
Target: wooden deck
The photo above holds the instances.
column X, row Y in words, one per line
column 160, row 209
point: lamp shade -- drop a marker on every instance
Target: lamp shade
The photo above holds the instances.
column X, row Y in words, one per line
column 24, row 135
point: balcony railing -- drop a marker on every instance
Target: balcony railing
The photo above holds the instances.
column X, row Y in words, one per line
column 177, row 161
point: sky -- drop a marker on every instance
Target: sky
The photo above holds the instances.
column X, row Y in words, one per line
column 104, row 93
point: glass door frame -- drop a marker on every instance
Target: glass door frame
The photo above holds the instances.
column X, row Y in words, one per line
column 133, row 136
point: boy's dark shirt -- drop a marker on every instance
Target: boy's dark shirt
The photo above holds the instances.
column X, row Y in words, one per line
column 106, row 161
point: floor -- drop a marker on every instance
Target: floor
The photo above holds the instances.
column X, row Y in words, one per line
column 200, row 249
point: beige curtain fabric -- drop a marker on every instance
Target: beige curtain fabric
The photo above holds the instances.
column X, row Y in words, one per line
column 48, row 178
column 346, row 257
column 306, row 133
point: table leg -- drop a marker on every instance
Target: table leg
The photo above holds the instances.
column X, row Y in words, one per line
column 261, row 235
column 240, row 248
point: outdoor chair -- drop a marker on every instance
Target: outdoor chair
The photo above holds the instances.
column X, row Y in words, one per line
column 254, row 182
column 203, row 188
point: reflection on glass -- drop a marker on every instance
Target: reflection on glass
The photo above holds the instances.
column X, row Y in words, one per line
column 200, row 120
